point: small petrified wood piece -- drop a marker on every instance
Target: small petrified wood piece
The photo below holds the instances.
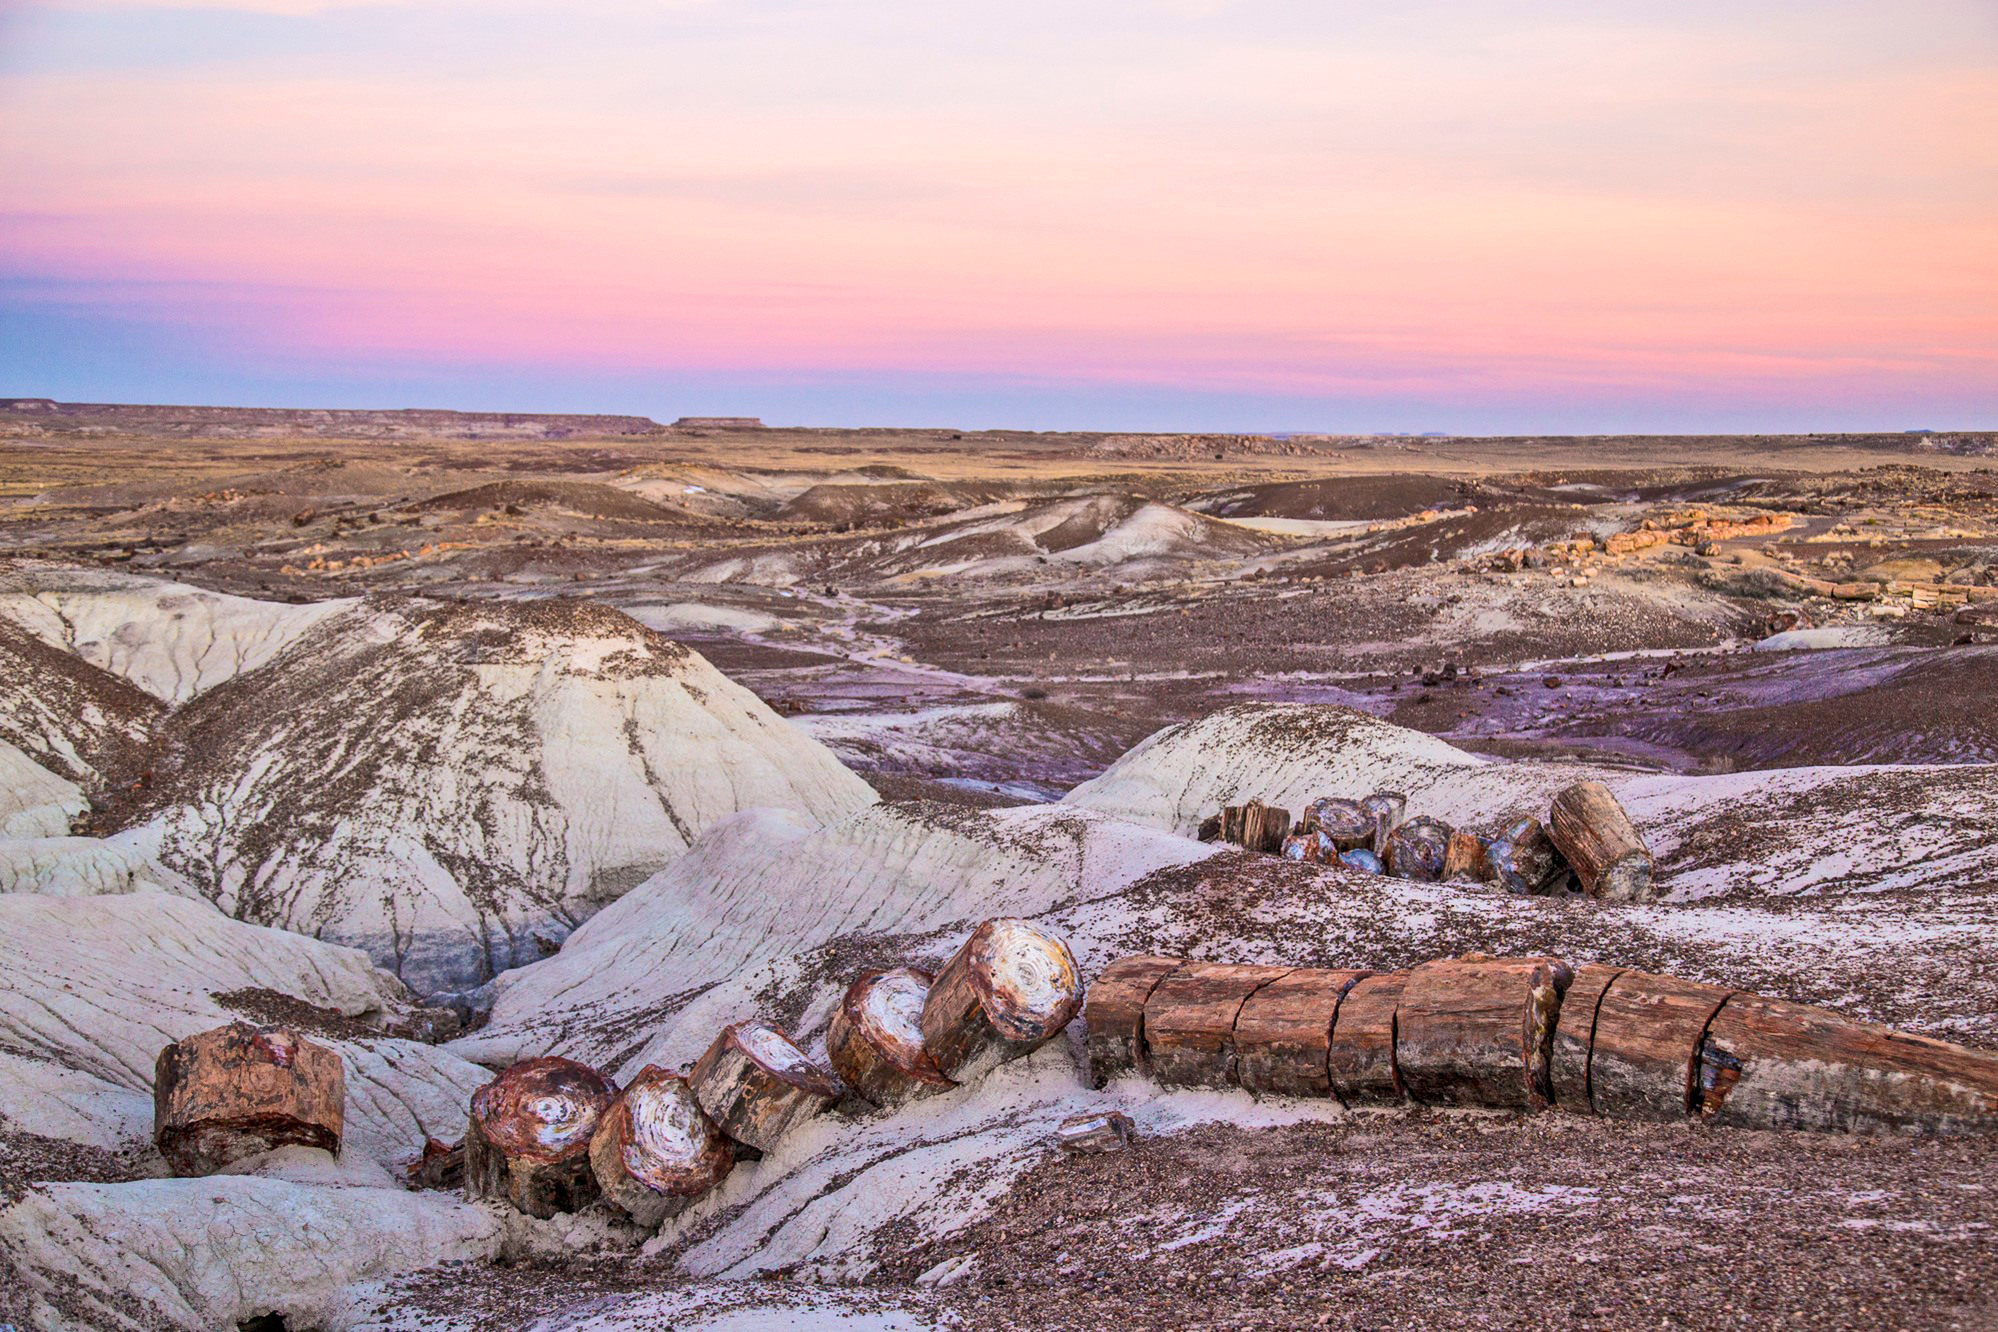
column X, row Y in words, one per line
column 1523, row 858
column 529, row 1136
column 1646, row 1051
column 1008, row 991
column 756, row 1085
column 1190, row 1021
column 1598, row 839
column 1767, row 1063
column 1418, row 849
column 1479, row 1031
column 1345, row 822
column 654, row 1150
column 235, row 1091
column 1115, row 1015
column 1386, row 809
column 1093, row 1134
column 875, row 1039
column 1575, row 1034
column 1359, row 1060
column 442, row 1166
column 1465, row 857
column 1311, row 848
column 1363, row 860
column 1285, row 1028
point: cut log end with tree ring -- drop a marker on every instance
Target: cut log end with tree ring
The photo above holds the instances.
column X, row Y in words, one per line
column 1344, row 822
column 1284, row 1030
column 1190, row 1021
column 239, row 1090
column 528, row 1140
column 875, row 1039
column 1524, row 859
column 1114, row 1014
column 1644, row 1058
column 1598, row 839
column 1418, row 849
column 1575, row 1034
column 654, row 1150
column 757, row 1085
column 1359, row 1061
column 1008, row 991
column 1479, row 1031
column 1386, row 809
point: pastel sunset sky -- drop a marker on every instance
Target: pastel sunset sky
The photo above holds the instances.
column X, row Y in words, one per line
column 1449, row 215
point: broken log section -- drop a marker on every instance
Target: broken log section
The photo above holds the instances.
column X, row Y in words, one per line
column 1523, row 858
column 1479, row 1031
column 1575, row 1035
column 238, row 1090
column 1359, row 1057
column 1190, row 1021
column 1255, row 826
column 1386, row 808
column 654, row 1151
column 875, row 1039
column 1115, row 1015
column 1646, row 1050
column 1284, row 1030
column 1598, row 839
column 757, row 1086
column 1418, row 848
column 1344, row 822
column 1008, row 991
column 1465, row 857
column 528, row 1140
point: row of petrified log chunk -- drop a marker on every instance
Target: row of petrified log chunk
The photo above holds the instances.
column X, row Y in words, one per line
column 1527, row 1033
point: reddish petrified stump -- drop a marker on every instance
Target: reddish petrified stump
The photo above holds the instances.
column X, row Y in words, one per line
column 1767, row 1063
column 1114, row 1013
column 1008, row 991
column 1479, row 1031
column 1284, row 1030
column 1464, row 857
column 239, row 1090
column 875, row 1039
column 654, row 1150
column 529, row 1136
column 1190, row 1021
column 1646, row 1051
column 1359, row 1059
column 1574, row 1034
column 756, row 1085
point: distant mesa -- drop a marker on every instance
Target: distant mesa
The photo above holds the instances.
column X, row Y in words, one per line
column 719, row 423
column 46, row 417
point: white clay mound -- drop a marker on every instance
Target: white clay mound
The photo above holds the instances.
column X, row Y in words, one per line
column 34, row 802
column 70, row 867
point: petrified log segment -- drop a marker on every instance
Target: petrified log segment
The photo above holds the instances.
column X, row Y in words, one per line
column 1574, row 1034
column 1343, row 821
column 1647, row 1045
column 1464, row 857
column 442, row 1166
column 1418, row 849
column 1115, row 1015
column 238, row 1090
column 1255, row 826
column 1008, row 991
column 1479, row 1031
column 654, row 1151
column 1386, row 809
column 875, row 1039
column 1284, row 1030
column 1312, row 848
column 1090, row 1135
column 1359, row 1059
column 1190, row 1021
column 1598, row 839
column 1523, row 858
column 1767, row 1063
column 529, row 1136
column 756, row 1085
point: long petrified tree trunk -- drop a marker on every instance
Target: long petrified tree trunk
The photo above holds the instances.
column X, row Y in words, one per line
column 1008, row 991
column 1284, row 1030
column 1479, row 1031
column 1114, row 1013
column 238, row 1090
column 756, row 1085
column 1190, row 1021
column 875, row 1038
column 1599, row 840
column 654, row 1150
column 528, row 1140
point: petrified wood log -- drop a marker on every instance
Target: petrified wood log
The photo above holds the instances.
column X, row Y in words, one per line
column 1311, row 848
column 1093, row 1134
column 1359, row 1059
column 529, row 1136
column 1646, row 1051
column 1465, row 857
column 1343, row 821
column 1008, row 991
column 1190, row 1021
column 1418, row 848
column 1598, row 839
column 1284, row 1029
column 1523, row 858
column 654, row 1150
column 1479, row 1031
column 1115, row 1015
column 756, row 1085
column 1255, row 826
column 1386, row 809
column 1574, row 1034
column 442, row 1166
column 875, row 1038
column 238, row 1090
column 1767, row 1063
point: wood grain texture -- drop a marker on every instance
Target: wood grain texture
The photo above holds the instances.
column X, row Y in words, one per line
column 528, row 1137
column 238, row 1090
column 1114, row 1013
column 1359, row 1059
column 1190, row 1021
column 1479, row 1032
column 1647, row 1045
column 1284, row 1030
column 757, row 1085
column 1597, row 838
column 1575, row 1034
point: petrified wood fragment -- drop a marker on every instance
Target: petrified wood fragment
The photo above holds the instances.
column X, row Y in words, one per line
column 1284, row 1030
column 1418, row 849
column 1465, row 858
column 1523, row 858
column 1598, row 839
column 1574, row 1034
column 1345, row 822
column 875, row 1038
column 1479, row 1031
column 1311, row 848
column 756, row 1085
column 1767, row 1063
column 1008, row 991
column 1255, row 826
column 1115, row 1015
column 1359, row 1059
column 529, row 1136
column 1088, row 1135
column 1646, row 1050
column 1190, row 1021
column 238, row 1090
column 1386, row 809
column 654, row 1150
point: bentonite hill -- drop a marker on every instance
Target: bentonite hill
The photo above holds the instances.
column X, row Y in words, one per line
column 1433, row 882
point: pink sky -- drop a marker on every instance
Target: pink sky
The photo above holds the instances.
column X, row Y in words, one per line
column 1445, row 216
